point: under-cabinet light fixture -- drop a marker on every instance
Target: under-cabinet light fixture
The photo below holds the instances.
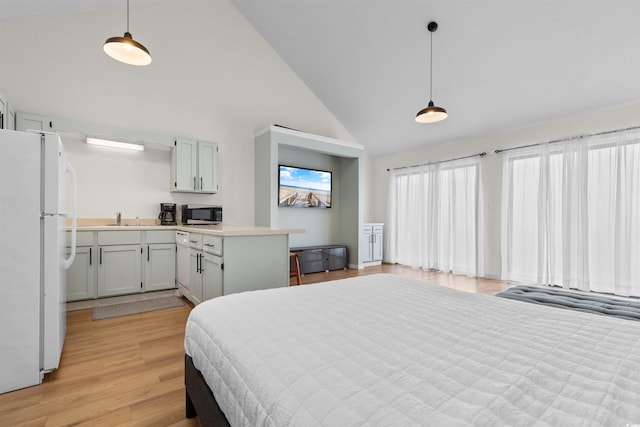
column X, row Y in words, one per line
column 127, row 145
column 126, row 49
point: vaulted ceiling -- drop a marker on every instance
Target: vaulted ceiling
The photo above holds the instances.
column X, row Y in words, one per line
column 498, row 65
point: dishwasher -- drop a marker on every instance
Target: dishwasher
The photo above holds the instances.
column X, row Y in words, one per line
column 182, row 264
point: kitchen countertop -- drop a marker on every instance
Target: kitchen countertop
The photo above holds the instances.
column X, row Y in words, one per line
column 215, row 230
column 236, row 230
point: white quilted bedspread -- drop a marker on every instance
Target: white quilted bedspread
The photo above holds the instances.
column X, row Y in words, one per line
column 385, row 350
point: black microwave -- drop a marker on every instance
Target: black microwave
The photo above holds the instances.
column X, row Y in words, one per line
column 201, row 214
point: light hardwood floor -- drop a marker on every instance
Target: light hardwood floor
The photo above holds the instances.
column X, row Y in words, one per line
column 128, row 371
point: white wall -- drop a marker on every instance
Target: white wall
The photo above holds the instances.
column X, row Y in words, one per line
column 491, row 165
column 213, row 78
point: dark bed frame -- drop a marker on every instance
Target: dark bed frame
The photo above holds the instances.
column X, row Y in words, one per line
column 199, row 398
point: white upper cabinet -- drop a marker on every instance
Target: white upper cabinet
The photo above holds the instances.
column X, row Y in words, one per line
column 7, row 115
column 27, row 121
column 183, row 165
column 3, row 113
column 10, row 118
column 194, row 166
column 208, row 166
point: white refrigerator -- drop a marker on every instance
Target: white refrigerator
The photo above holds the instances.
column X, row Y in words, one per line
column 35, row 178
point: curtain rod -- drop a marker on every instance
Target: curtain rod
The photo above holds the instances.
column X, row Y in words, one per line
column 567, row 139
column 441, row 161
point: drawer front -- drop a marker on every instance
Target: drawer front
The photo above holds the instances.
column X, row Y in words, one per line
column 83, row 238
column 212, row 244
column 168, row 236
column 119, row 237
column 311, row 255
column 195, row 241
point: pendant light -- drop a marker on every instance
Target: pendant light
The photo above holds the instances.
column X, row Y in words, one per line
column 126, row 49
column 432, row 113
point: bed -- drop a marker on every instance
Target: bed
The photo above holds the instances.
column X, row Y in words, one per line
column 387, row 350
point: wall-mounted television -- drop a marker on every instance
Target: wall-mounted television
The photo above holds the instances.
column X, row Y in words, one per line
column 303, row 188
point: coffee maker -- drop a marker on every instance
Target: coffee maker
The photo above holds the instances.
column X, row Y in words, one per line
column 168, row 214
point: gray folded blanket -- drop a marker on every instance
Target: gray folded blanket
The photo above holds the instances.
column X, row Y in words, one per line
column 590, row 303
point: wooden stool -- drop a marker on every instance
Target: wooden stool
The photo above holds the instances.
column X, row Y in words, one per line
column 295, row 270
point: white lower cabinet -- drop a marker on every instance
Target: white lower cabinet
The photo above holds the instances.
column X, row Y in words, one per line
column 110, row 263
column 230, row 264
column 160, row 267
column 81, row 276
column 195, row 276
column 160, row 260
column 371, row 242
column 205, row 272
column 211, row 276
column 119, row 270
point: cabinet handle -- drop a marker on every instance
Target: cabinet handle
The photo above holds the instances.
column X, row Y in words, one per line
column 100, row 256
column 148, row 250
column 200, row 183
column 194, row 182
column 90, row 256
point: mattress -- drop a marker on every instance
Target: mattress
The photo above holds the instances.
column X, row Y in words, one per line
column 386, row 350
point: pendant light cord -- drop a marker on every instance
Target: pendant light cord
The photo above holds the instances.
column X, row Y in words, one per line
column 430, row 68
column 127, row 16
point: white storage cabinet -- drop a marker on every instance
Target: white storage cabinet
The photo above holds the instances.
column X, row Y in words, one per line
column 119, row 263
column 196, row 268
column 194, row 166
column 160, row 261
column 371, row 243
column 81, row 276
column 212, row 264
column 226, row 265
column 111, row 263
column 26, row 121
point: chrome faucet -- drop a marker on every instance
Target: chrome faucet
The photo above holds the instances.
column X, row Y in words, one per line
column 118, row 218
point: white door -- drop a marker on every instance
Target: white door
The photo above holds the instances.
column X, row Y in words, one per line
column 25, row 121
column 81, row 275
column 195, row 276
column 185, row 157
column 19, row 260
column 366, row 236
column 212, row 276
column 377, row 243
column 160, row 270
column 208, row 167
column 119, row 270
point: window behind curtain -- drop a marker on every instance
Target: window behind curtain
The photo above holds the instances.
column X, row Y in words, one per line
column 433, row 216
column 571, row 214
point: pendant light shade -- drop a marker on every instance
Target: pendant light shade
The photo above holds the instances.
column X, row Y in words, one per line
column 126, row 49
column 432, row 113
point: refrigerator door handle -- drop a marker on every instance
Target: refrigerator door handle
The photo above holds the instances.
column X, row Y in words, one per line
column 74, row 193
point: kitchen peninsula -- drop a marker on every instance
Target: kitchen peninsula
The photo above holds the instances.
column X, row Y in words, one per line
column 202, row 261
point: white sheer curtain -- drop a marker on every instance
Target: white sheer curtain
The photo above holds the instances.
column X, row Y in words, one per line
column 571, row 214
column 432, row 218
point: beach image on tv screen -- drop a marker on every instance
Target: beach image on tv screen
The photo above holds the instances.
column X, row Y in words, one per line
column 304, row 188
